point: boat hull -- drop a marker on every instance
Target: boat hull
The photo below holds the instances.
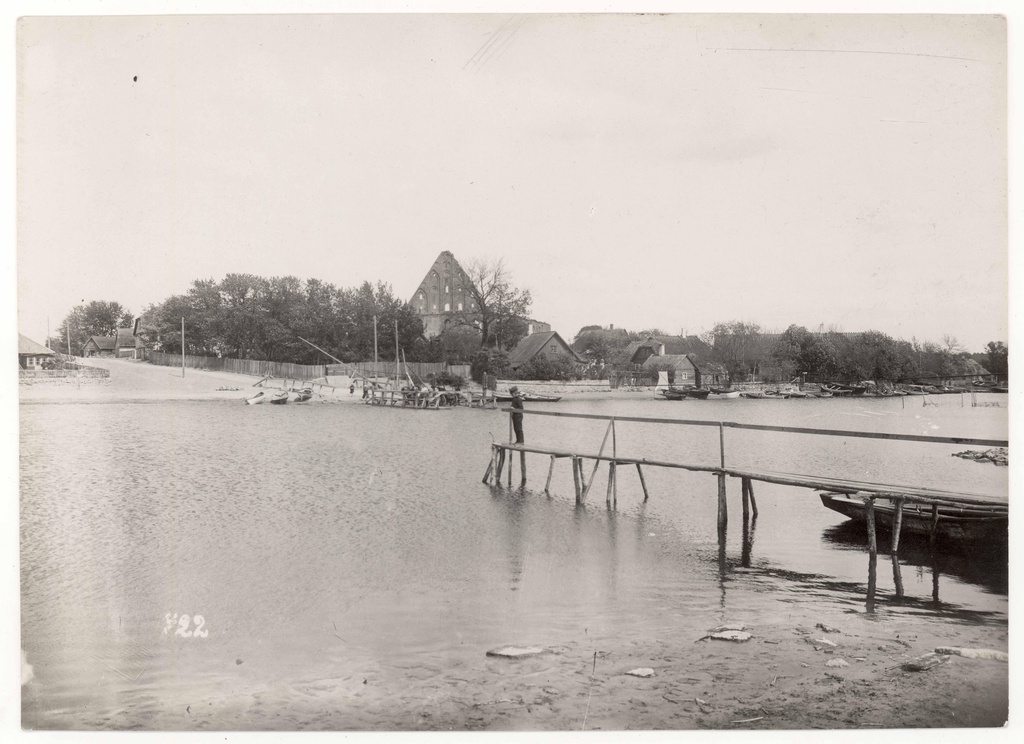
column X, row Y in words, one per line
column 954, row 523
column 529, row 398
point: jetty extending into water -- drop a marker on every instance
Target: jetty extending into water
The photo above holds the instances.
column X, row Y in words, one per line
column 896, row 495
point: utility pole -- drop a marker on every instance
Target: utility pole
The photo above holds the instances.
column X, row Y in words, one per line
column 47, row 331
column 183, row 347
column 375, row 345
column 67, row 328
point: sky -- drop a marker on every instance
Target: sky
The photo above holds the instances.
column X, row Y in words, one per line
column 637, row 170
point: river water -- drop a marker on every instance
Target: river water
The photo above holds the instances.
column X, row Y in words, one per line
column 339, row 541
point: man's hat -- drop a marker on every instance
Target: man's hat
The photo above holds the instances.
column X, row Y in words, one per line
column 513, row 389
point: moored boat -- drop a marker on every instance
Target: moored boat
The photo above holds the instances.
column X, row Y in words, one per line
column 672, row 394
column 965, row 522
column 255, row 400
column 279, row 398
column 300, row 396
column 726, row 393
column 698, row 393
column 528, row 398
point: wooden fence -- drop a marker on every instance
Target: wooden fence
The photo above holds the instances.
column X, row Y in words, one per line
column 253, row 367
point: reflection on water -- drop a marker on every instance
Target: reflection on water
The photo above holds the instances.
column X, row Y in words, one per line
column 336, row 541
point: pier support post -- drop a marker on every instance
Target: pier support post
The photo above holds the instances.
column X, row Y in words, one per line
column 522, row 467
column 551, row 470
column 576, row 480
column 597, row 462
column 723, row 515
column 869, row 509
column 490, row 467
column 745, row 488
column 643, row 483
column 501, row 464
column 612, row 467
column 934, row 526
column 897, row 525
column 510, row 468
column 753, row 501
column 611, row 496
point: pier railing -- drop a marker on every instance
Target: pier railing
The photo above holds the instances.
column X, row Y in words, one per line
column 897, row 495
column 869, row 492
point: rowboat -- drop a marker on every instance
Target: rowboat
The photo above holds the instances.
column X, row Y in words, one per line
column 725, row 393
column 673, row 394
column 966, row 522
column 279, row 398
column 698, row 393
column 256, row 399
column 300, row 396
column 528, row 398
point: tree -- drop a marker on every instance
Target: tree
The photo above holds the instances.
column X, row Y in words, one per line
column 998, row 358
column 97, row 318
column 739, row 346
column 502, row 308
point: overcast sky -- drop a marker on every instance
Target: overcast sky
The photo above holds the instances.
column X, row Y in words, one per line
column 670, row 171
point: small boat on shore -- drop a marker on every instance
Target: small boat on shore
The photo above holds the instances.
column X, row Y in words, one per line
column 698, row 393
column 255, row 400
column 279, row 398
column 300, row 396
column 726, row 393
column 528, row 398
column 965, row 522
column 672, row 394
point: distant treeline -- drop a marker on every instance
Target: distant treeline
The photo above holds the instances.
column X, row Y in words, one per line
column 748, row 352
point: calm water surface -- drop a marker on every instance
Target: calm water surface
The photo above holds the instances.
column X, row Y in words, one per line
column 336, row 539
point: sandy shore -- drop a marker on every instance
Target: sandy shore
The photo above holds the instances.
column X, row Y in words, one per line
column 786, row 676
column 138, row 381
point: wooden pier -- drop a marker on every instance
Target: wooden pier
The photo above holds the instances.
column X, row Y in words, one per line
column 898, row 495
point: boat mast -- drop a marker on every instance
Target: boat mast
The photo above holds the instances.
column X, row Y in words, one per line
column 397, row 378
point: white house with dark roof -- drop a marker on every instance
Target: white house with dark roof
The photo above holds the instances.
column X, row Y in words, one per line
column 31, row 354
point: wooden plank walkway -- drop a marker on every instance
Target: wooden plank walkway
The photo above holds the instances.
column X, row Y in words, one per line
column 815, row 482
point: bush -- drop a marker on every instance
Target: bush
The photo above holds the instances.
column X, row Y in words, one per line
column 491, row 362
column 449, row 380
column 541, row 368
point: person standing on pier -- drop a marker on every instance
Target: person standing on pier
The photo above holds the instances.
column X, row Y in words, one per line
column 517, row 418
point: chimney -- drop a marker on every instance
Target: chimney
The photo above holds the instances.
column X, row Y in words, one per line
column 611, row 326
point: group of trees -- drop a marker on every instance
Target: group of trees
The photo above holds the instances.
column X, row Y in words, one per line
column 749, row 352
column 251, row 317
column 96, row 318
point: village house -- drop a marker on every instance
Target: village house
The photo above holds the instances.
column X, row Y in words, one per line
column 600, row 345
column 124, row 343
column 98, row 346
column 32, row 355
column 546, row 345
column 686, row 359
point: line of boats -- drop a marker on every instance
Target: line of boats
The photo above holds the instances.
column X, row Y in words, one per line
column 826, row 390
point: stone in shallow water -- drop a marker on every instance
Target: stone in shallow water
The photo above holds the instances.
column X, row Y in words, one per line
column 641, row 672
column 515, row 652
column 731, row 635
column 837, row 663
column 728, row 626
